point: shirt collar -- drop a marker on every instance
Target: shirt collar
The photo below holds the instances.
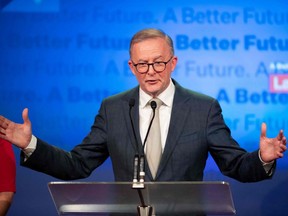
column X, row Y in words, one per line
column 166, row 96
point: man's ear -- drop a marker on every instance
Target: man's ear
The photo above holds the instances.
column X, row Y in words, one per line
column 132, row 68
column 174, row 62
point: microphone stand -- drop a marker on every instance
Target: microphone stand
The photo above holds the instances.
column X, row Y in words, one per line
column 139, row 166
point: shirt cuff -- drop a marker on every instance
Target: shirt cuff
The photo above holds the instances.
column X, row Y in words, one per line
column 267, row 166
column 31, row 147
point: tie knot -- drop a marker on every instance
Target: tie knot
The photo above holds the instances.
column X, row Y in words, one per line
column 157, row 101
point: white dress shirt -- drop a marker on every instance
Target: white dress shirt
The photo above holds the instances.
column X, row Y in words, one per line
column 146, row 112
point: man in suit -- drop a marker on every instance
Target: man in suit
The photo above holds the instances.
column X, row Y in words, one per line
column 7, row 176
column 191, row 127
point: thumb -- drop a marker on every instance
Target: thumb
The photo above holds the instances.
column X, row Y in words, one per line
column 25, row 116
column 263, row 130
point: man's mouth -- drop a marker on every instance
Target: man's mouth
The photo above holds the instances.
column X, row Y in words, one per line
column 151, row 81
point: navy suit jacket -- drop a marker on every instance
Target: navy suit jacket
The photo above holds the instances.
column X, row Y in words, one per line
column 196, row 129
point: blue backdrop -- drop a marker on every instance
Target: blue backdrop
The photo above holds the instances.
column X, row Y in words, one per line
column 60, row 58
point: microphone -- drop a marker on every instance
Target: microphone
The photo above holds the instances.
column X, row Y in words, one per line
column 136, row 157
column 153, row 105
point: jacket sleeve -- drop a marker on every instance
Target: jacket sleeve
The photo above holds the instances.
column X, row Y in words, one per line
column 232, row 160
column 77, row 163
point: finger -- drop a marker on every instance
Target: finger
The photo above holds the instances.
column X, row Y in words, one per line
column 25, row 116
column 2, row 119
column 2, row 132
column 280, row 155
column 263, row 129
column 284, row 141
column 283, row 148
column 280, row 135
column 2, row 136
column 4, row 122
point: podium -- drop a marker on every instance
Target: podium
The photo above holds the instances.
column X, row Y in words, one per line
column 119, row 198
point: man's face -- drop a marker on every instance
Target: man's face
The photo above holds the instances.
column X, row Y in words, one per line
column 150, row 51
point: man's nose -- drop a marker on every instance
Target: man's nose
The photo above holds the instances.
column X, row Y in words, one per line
column 151, row 69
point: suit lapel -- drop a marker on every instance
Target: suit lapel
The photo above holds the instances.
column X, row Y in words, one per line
column 177, row 122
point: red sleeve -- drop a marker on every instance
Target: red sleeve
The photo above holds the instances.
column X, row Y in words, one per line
column 7, row 167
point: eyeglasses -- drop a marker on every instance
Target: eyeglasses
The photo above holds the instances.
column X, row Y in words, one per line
column 158, row 67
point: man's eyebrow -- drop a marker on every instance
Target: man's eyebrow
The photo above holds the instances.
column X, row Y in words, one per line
column 156, row 58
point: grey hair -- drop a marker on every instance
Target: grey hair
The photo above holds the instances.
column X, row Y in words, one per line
column 151, row 33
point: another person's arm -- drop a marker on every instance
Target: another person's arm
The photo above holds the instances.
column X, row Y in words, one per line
column 5, row 202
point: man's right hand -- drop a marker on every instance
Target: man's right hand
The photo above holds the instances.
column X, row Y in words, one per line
column 18, row 134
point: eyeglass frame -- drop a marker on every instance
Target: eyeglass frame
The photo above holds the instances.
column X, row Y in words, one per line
column 152, row 64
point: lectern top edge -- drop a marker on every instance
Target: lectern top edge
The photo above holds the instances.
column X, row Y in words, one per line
column 146, row 183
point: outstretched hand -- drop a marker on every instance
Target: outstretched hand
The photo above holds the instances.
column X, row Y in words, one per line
column 18, row 134
column 271, row 148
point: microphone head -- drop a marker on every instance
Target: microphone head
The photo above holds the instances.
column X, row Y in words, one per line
column 131, row 102
column 153, row 105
